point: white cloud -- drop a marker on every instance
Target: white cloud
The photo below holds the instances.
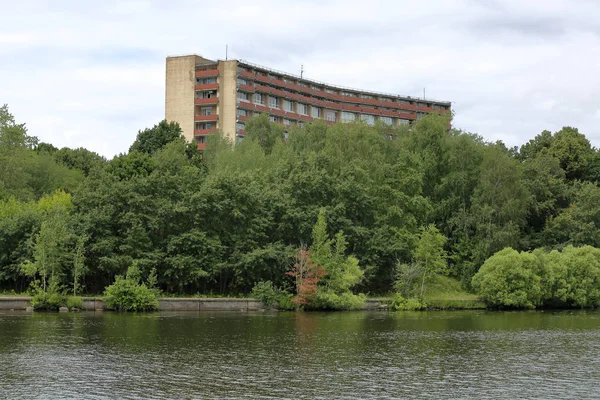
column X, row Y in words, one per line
column 92, row 74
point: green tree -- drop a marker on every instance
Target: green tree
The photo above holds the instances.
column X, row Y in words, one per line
column 264, row 131
column 510, row 279
column 153, row 139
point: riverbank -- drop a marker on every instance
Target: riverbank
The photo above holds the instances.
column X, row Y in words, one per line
column 168, row 304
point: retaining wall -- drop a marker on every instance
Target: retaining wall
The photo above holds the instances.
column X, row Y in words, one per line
column 167, row 304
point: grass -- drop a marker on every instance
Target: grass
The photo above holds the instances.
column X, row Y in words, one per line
column 444, row 293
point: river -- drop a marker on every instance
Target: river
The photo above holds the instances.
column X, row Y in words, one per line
column 264, row 355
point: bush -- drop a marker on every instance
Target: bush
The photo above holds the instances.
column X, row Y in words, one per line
column 399, row 303
column 75, row 302
column 286, row 303
column 50, row 300
column 267, row 294
column 572, row 278
column 510, row 279
column 128, row 294
column 328, row 300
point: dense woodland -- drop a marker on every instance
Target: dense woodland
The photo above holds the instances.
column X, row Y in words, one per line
column 221, row 221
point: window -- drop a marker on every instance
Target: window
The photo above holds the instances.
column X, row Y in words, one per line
column 387, row 120
column 273, row 118
column 315, row 112
column 403, row 122
column 203, row 125
column 367, row 119
column 243, row 96
column 287, row 121
column 331, row 91
column 239, row 126
column 302, row 84
column 348, row 94
column 201, row 139
column 366, row 96
column 302, row 109
column 273, row 102
column 330, row 116
column 242, row 113
column 206, row 111
column 348, row 116
column 206, row 81
column 242, row 81
column 259, row 98
column 403, row 101
column 288, row 105
column 205, row 95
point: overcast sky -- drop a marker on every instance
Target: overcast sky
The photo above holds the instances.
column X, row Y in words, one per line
column 91, row 74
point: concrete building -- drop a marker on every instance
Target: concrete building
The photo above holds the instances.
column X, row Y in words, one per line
column 204, row 96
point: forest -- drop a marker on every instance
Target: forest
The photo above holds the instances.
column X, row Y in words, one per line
column 367, row 210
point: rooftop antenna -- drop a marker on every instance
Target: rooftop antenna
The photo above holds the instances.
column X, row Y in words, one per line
column 301, row 70
column 226, row 48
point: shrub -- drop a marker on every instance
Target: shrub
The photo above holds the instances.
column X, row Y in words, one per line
column 75, row 302
column 328, row 300
column 286, row 303
column 52, row 299
column 266, row 293
column 510, row 279
column 128, row 294
column 400, row 303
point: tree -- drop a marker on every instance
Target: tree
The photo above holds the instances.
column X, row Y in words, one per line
column 510, row 279
column 153, row 139
column 306, row 276
column 79, row 268
column 264, row 131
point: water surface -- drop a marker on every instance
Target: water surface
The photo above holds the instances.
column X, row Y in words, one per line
column 378, row 355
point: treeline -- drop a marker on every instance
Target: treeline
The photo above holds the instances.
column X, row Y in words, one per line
column 224, row 220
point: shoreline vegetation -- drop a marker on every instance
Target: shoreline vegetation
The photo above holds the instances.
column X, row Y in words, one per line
column 321, row 217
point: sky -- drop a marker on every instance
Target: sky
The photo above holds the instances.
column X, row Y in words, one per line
column 92, row 74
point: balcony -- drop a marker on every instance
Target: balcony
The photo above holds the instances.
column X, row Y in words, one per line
column 207, row 73
column 201, row 146
column 200, row 132
column 207, row 86
column 207, row 101
column 247, row 88
column 261, row 78
column 212, row 117
column 246, row 75
column 407, row 115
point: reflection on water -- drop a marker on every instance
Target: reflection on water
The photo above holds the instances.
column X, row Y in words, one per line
column 472, row 354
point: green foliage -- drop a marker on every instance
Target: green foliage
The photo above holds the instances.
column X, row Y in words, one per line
column 572, row 277
column 150, row 140
column 128, row 294
column 267, row 134
column 266, row 293
column 341, row 272
column 74, row 302
column 285, row 302
column 221, row 222
column 328, row 300
column 510, row 279
column 400, row 303
column 51, row 299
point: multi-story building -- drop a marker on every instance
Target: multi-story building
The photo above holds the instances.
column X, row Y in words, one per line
column 204, row 96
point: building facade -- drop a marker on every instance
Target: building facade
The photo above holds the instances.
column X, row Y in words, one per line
column 204, row 96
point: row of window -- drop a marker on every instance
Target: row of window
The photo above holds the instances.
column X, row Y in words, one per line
column 332, row 116
column 243, row 81
column 205, row 81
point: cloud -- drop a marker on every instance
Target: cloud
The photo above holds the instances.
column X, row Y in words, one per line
column 92, row 73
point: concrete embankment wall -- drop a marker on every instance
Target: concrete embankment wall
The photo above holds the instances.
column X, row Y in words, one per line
column 166, row 304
